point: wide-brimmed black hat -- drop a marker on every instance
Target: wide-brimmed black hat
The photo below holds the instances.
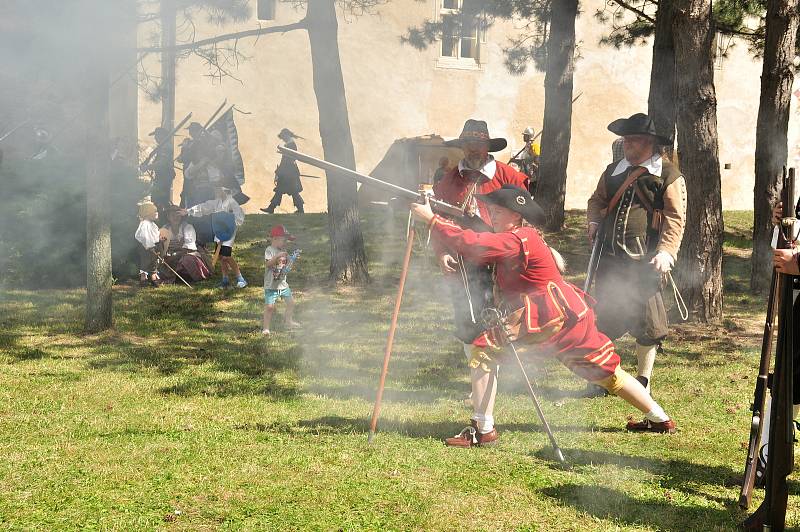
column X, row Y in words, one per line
column 288, row 133
column 518, row 200
column 638, row 124
column 477, row 130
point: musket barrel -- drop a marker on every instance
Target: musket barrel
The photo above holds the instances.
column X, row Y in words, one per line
column 368, row 180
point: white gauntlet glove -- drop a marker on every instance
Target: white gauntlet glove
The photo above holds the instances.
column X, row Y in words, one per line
column 662, row 262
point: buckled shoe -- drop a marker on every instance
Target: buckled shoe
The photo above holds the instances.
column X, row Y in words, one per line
column 470, row 437
column 663, row 427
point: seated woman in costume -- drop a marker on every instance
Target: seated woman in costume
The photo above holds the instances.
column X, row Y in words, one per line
column 183, row 255
column 544, row 311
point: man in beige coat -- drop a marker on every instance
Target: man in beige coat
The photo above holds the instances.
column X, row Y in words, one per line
column 640, row 203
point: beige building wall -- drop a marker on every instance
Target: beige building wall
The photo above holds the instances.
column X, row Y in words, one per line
column 395, row 91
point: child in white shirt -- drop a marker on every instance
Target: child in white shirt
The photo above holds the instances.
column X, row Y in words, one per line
column 223, row 202
column 148, row 236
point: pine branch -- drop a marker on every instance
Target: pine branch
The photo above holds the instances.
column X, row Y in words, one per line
column 226, row 37
column 638, row 12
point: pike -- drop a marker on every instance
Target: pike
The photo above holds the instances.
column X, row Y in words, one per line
column 214, row 115
column 159, row 146
column 4, row 137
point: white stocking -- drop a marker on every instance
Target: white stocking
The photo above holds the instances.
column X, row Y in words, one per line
column 645, row 358
column 484, row 390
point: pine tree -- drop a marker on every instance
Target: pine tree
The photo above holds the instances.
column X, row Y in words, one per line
column 772, row 130
column 700, row 259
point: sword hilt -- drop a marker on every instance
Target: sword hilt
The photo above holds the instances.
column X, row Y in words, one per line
column 491, row 317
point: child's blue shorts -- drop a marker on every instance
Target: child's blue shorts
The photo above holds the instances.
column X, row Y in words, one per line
column 272, row 296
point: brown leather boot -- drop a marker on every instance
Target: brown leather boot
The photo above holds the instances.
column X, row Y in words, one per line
column 646, row 425
column 470, row 437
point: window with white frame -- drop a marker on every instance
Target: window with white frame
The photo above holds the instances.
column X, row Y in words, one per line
column 463, row 32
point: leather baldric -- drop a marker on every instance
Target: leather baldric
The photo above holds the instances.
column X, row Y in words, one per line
column 633, row 176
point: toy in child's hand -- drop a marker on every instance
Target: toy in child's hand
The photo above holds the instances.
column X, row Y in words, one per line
column 287, row 266
column 292, row 258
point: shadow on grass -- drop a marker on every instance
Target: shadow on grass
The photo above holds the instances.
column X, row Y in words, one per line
column 416, row 429
column 268, row 386
column 678, row 478
column 606, row 503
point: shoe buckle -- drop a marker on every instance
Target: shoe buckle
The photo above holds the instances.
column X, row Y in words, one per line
column 469, row 433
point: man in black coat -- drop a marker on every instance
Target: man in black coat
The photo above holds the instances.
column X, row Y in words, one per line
column 287, row 177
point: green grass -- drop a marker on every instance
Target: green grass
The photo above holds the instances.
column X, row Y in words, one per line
column 183, row 417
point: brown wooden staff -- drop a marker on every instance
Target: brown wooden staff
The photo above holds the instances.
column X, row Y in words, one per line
column 392, row 328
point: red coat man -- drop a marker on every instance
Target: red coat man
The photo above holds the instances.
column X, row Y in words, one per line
column 477, row 173
column 553, row 314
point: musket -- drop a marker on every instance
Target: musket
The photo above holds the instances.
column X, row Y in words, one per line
column 771, row 515
column 397, row 190
column 760, row 394
column 458, row 213
column 4, row 137
column 594, row 258
column 160, row 146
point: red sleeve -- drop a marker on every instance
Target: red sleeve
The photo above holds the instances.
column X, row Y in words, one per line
column 513, row 177
column 480, row 248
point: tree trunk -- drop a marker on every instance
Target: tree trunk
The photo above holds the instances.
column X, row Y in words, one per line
column 348, row 260
column 557, row 122
column 661, row 104
column 168, row 65
column 700, row 257
column 771, row 132
column 98, row 192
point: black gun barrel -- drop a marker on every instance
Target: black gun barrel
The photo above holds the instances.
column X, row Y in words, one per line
column 364, row 179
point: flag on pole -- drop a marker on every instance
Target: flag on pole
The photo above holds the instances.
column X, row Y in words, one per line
column 234, row 166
